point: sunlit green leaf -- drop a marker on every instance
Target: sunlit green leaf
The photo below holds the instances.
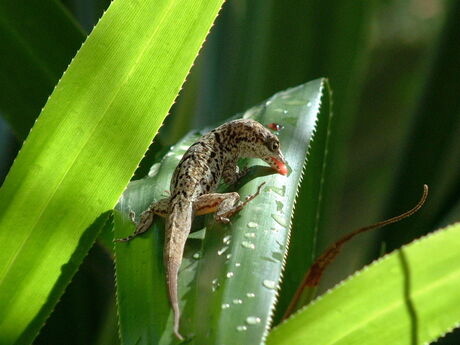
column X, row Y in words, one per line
column 85, row 146
column 408, row 297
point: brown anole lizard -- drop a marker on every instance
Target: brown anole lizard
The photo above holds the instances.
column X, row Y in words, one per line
column 193, row 185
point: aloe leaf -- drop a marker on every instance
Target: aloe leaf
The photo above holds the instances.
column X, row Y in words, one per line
column 256, row 44
column 143, row 305
column 308, row 215
column 85, row 146
column 223, row 298
column 39, row 38
column 240, row 271
column 408, row 297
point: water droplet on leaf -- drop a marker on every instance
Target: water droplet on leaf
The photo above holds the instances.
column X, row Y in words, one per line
column 222, row 250
column 269, row 284
column 281, row 220
column 247, row 244
column 215, row 284
column 252, row 320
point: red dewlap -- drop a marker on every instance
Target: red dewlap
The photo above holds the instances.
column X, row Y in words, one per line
column 281, row 167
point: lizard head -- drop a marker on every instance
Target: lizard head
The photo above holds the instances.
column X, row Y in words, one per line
column 261, row 143
column 270, row 152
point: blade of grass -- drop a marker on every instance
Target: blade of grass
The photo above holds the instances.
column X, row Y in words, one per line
column 408, row 297
column 85, row 146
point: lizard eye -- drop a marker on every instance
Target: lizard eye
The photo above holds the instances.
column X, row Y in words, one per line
column 274, row 145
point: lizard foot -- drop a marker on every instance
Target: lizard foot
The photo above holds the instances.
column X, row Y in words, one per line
column 242, row 173
column 132, row 216
column 143, row 226
column 178, row 335
column 222, row 219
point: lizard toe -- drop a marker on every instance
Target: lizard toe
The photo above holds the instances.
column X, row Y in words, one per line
column 222, row 219
column 132, row 216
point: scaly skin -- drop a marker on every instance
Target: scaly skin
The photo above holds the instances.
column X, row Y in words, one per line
column 212, row 158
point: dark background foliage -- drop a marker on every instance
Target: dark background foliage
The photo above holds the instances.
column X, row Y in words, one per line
column 395, row 73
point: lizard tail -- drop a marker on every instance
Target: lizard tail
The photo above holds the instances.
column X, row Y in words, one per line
column 171, row 278
column 178, row 226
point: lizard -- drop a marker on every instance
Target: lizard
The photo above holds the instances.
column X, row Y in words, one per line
column 192, row 192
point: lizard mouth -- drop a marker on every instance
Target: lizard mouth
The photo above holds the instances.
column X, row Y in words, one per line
column 281, row 167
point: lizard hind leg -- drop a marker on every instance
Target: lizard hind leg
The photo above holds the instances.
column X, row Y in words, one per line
column 215, row 202
column 224, row 204
column 225, row 211
column 158, row 208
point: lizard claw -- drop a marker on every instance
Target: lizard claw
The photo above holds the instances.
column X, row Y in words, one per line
column 222, row 219
column 132, row 216
column 125, row 239
column 243, row 172
column 141, row 227
column 252, row 196
column 178, row 335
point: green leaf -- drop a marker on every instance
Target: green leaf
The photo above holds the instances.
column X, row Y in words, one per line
column 91, row 290
column 309, row 212
column 247, row 56
column 228, row 295
column 38, row 41
column 85, row 146
column 141, row 290
column 236, row 291
column 408, row 297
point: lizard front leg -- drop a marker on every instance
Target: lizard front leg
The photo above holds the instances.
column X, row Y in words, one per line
column 159, row 208
column 225, row 205
column 232, row 173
